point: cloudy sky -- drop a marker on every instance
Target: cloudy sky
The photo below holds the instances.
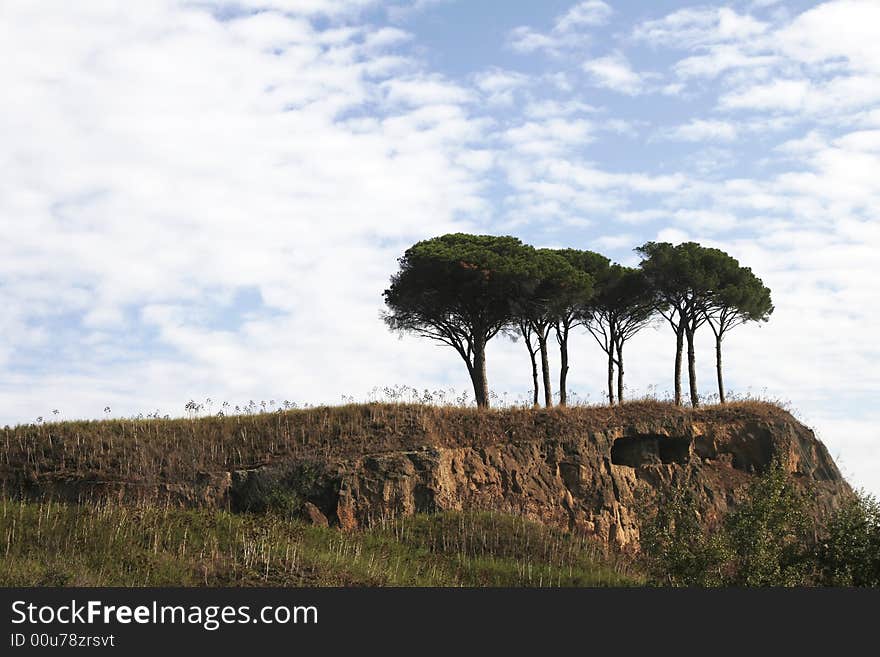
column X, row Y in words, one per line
column 206, row 199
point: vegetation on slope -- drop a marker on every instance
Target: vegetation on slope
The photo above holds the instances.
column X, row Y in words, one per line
column 770, row 539
column 767, row 541
column 764, row 542
column 72, row 545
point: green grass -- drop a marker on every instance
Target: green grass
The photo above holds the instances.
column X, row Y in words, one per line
column 71, row 545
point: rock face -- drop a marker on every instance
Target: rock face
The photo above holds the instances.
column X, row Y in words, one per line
column 314, row 515
column 593, row 483
column 588, row 469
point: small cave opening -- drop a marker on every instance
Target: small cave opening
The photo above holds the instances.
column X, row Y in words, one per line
column 650, row 449
column 674, row 449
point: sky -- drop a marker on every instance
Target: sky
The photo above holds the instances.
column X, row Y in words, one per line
column 204, row 199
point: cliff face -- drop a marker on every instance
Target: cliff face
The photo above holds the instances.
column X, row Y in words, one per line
column 590, row 483
column 586, row 469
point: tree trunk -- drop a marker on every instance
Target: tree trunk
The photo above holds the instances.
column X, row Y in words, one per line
column 620, row 373
column 526, row 332
column 478, row 376
column 545, row 369
column 679, row 346
column 611, row 377
column 718, row 370
column 563, row 364
column 535, row 384
column 692, row 369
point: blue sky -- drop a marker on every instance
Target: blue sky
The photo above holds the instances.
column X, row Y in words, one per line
column 206, row 199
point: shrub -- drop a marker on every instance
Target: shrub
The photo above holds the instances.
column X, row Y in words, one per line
column 678, row 550
column 769, row 534
column 764, row 542
column 278, row 491
column 849, row 552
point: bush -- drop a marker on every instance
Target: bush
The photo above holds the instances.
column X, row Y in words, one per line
column 678, row 550
column 279, row 491
column 764, row 542
column 849, row 552
column 769, row 534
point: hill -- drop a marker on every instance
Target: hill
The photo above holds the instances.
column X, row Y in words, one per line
column 583, row 469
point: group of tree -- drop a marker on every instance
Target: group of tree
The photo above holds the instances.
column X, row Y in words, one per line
column 462, row 290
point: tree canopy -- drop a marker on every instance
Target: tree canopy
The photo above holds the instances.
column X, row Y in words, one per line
column 461, row 290
column 571, row 313
column 684, row 278
column 623, row 304
column 739, row 298
column 556, row 292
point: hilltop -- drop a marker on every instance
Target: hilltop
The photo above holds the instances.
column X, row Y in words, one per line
column 583, row 469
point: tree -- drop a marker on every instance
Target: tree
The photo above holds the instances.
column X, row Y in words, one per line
column 633, row 308
column 622, row 305
column 683, row 278
column 555, row 286
column 741, row 297
column 570, row 311
column 524, row 328
column 460, row 290
column 595, row 315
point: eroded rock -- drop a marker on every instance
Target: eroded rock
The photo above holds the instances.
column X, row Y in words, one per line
column 588, row 471
column 593, row 484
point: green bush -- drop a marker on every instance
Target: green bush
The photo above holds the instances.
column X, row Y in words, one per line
column 677, row 548
column 849, row 552
column 282, row 492
column 766, row 541
column 769, row 534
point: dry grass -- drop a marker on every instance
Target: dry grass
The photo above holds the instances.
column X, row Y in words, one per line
column 176, row 450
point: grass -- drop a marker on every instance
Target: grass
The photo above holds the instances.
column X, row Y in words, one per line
column 46, row 544
column 180, row 450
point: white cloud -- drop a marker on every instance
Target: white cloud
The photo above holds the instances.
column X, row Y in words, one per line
column 862, row 140
column 159, row 163
column 721, row 58
column 589, row 14
column 303, row 7
column 823, row 62
column 702, row 130
column 425, row 90
column 706, row 221
column 404, row 11
column 615, row 242
column 614, row 72
column 804, row 217
column 843, row 29
column 806, row 96
column 691, row 27
column 550, row 136
column 524, row 39
column 546, row 108
column 569, row 29
column 500, row 85
column 809, row 143
column 641, row 216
